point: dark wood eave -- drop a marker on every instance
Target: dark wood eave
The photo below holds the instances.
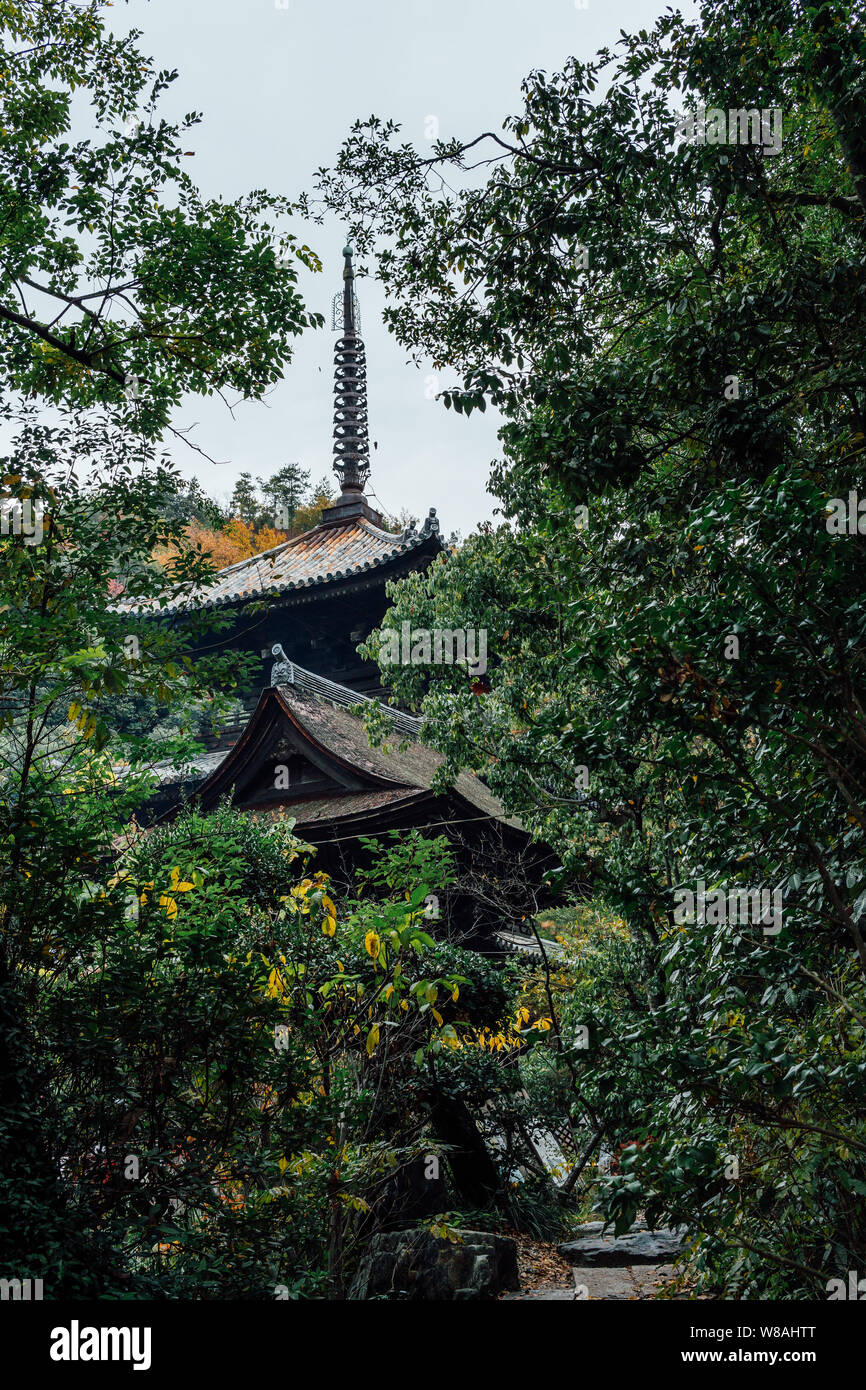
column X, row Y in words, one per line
column 259, row 732
column 420, row 809
column 317, row 831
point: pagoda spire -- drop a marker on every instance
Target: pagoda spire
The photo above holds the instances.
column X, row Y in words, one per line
column 351, row 443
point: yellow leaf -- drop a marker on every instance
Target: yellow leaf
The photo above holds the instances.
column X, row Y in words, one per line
column 372, row 945
column 372, row 1039
column 275, row 984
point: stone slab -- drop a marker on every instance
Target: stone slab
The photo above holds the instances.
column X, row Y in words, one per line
column 636, row 1247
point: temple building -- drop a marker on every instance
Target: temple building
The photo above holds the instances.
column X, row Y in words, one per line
column 300, row 749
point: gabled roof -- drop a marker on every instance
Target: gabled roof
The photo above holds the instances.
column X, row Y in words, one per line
column 362, row 778
column 327, row 554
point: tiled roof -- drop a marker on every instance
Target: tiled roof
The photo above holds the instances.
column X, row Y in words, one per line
column 287, row 672
column 405, row 763
column 324, row 555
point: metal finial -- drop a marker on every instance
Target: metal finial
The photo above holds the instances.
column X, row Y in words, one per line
column 345, row 312
column 351, row 443
column 348, row 293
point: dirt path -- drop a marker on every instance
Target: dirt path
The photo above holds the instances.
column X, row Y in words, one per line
column 545, row 1276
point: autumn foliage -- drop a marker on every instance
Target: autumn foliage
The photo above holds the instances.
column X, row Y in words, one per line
column 239, row 540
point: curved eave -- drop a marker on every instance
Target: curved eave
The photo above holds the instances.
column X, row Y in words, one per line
column 271, row 704
column 347, row 819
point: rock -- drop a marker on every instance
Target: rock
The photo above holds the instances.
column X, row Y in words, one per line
column 418, row 1265
column 595, row 1228
column 605, row 1285
column 636, row 1247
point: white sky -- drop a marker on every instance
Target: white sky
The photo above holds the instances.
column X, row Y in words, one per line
column 278, row 90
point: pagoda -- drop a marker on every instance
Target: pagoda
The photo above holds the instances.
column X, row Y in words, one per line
column 320, row 594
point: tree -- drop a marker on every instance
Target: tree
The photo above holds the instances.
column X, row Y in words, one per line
column 244, row 505
column 191, row 504
column 282, row 493
column 674, row 332
column 77, row 659
column 120, row 284
column 323, row 489
column 309, row 514
column 121, row 289
column 406, row 519
column 255, row 1088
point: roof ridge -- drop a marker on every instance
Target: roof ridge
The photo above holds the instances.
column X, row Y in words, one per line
column 379, row 531
column 286, row 672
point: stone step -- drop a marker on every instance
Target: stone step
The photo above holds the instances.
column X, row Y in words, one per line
column 592, row 1249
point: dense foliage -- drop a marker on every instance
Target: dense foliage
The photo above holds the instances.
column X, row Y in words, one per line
column 219, row 1078
column 235, row 1072
column 674, row 332
column 216, row 1080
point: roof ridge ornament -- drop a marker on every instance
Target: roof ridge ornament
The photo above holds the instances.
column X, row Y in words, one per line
column 282, row 671
column 430, row 525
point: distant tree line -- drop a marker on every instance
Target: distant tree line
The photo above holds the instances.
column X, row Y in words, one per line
column 259, row 514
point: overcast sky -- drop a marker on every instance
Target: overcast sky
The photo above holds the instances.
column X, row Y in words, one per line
column 278, row 89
